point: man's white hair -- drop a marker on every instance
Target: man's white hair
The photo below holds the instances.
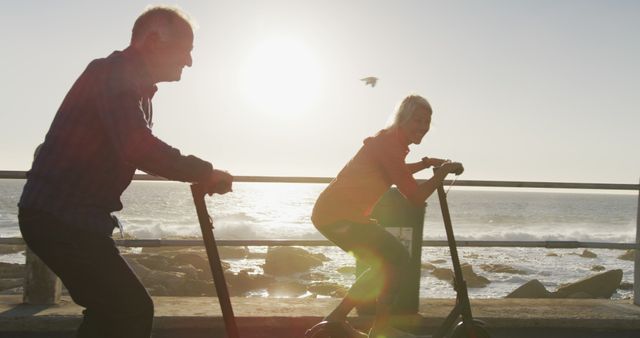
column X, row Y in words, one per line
column 406, row 108
column 163, row 19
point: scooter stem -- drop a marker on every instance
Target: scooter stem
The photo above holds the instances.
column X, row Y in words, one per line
column 206, row 225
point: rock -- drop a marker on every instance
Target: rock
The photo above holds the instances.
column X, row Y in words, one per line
column 10, row 283
column 191, row 264
column 141, row 271
column 598, row 268
column 321, row 257
column 599, row 286
column 626, row 286
column 628, row 256
column 14, row 291
column 157, row 290
column 155, row 262
column 473, row 280
column 530, row 289
column 282, row 261
column 501, row 268
column 174, row 282
column 428, row 266
column 314, row 276
column 193, row 259
column 438, row 261
column 443, row 274
column 243, row 282
column 198, row 288
column 287, row 289
column 189, row 271
column 11, row 249
column 233, row 252
column 334, row 290
column 12, row 270
column 588, row 254
column 552, row 254
column 206, row 273
column 186, row 288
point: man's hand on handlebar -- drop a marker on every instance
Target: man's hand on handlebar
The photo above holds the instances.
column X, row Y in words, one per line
column 219, row 183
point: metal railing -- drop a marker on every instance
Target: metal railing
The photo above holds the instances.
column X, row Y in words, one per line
column 138, row 243
column 432, row 243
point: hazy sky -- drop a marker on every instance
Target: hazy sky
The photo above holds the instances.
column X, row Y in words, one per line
column 521, row 90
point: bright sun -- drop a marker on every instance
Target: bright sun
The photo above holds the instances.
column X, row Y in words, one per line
column 281, row 77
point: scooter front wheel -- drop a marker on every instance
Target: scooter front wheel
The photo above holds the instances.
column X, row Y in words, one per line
column 477, row 327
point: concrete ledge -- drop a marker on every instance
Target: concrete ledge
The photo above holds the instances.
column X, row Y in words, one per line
column 265, row 314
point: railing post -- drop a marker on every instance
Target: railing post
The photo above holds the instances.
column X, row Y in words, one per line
column 636, row 265
column 41, row 285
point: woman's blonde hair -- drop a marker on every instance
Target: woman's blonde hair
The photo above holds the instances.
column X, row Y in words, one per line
column 406, row 108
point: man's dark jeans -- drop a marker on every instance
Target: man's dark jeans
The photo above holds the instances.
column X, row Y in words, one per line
column 97, row 277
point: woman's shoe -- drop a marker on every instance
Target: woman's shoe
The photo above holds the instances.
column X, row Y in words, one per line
column 353, row 332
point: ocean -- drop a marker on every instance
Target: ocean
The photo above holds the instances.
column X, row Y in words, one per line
column 282, row 211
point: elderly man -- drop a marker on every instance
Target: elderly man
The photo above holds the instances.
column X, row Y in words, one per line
column 100, row 135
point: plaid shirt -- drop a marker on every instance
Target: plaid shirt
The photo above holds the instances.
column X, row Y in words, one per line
column 100, row 135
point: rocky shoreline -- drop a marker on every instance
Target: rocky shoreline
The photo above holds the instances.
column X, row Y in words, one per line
column 180, row 271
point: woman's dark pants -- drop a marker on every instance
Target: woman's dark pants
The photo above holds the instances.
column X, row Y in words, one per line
column 387, row 259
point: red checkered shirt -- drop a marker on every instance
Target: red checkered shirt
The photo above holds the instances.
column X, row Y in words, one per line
column 100, row 135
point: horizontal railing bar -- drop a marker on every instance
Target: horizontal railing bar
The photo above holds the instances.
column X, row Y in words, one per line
column 11, row 241
column 466, row 183
column 558, row 185
column 13, row 174
column 314, row 242
column 538, row 244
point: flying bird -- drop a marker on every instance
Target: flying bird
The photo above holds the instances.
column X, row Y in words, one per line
column 371, row 80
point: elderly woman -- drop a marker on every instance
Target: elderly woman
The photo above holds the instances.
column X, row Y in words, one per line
column 342, row 213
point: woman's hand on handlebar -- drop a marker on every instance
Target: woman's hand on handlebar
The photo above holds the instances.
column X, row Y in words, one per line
column 452, row 168
column 434, row 162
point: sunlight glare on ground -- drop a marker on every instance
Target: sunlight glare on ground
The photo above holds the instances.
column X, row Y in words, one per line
column 282, row 77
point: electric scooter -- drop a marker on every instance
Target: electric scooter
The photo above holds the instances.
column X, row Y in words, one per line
column 206, row 225
column 458, row 324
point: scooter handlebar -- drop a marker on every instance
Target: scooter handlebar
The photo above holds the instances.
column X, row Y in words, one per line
column 452, row 167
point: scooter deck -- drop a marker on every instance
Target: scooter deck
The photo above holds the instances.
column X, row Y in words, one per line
column 326, row 329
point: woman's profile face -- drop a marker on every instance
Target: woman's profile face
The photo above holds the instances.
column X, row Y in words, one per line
column 418, row 125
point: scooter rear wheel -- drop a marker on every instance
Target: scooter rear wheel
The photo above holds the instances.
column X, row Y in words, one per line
column 479, row 331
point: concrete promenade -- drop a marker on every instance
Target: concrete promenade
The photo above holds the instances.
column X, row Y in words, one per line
column 272, row 317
